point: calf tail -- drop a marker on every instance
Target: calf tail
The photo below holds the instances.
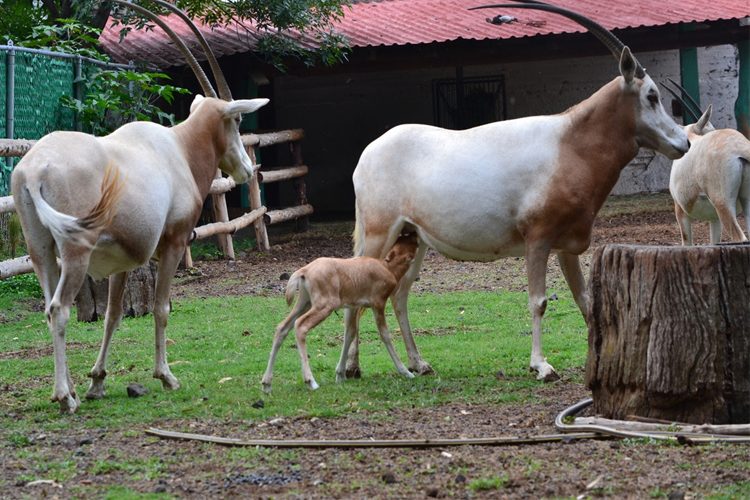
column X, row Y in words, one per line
column 292, row 286
column 65, row 227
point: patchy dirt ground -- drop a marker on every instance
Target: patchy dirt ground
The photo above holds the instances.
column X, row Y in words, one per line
column 585, row 468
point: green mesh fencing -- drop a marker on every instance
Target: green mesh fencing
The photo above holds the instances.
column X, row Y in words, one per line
column 40, row 79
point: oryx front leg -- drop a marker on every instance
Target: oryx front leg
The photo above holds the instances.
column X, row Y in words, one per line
column 385, row 336
column 536, row 270
column 168, row 262
column 112, row 320
column 571, row 268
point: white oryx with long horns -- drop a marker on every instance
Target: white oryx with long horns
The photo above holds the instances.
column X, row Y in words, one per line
column 524, row 187
column 712, row 181
column 105, row 205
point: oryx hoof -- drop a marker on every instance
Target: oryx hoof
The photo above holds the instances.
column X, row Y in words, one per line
column 353, row 372
column 545, row 374
column 68, row 403
column 168, row 381
column 266, row 387
column 312, row 385
column 421, row 368
column 96, row 391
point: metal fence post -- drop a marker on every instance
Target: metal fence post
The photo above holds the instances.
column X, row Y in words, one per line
column 10, row 90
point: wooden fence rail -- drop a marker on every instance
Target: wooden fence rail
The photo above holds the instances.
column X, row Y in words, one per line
column 259, row 216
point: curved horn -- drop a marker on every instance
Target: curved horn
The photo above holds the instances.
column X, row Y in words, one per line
column 685, row 105
column 605, row 36
column 189, row 57
column 221, row 82
column 693, row 102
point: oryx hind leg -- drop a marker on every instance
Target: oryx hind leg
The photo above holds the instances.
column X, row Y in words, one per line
column 570, row 265
column 112, row 320
column 399, row 301
column 169, row 258
column 74, row 262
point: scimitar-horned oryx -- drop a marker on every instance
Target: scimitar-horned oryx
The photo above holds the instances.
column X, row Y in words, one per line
column 524, row 187
column 712, row 181
column 105, row 205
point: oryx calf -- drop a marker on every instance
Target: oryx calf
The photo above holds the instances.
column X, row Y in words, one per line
column 327, row 284
column 712, row 181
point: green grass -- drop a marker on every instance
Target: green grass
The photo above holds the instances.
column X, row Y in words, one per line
column 218, row 350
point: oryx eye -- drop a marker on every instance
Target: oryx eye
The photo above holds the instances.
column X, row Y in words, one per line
column 653, row 99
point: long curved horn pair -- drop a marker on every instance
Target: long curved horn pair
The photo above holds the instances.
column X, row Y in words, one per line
column 690, row 105
column 205, row 83
column 605, row 36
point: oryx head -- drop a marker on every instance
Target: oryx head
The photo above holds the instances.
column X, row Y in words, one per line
column 655, row 129
column 235, row 161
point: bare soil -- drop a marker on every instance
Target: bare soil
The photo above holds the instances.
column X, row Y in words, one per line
column 584, row 468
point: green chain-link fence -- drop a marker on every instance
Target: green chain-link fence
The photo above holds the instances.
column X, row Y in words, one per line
column 39, row 79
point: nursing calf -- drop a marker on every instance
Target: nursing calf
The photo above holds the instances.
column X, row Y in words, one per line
column 327, row 284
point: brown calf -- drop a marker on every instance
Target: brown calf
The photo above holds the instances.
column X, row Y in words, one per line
column 327, row 284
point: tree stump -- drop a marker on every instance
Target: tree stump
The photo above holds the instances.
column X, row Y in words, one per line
column 669, row 333
column 91, row 301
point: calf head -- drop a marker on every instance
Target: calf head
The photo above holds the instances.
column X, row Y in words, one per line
column 400, row 256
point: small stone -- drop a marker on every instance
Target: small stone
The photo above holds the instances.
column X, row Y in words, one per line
column 136, row 390
column 500, row 375
column 676, row 495
column 388, row 478
column 460, row 478
column 284, row 276
column 259, row 404
column 432, row 492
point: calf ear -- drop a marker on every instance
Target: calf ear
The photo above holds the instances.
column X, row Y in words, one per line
column 196, row 101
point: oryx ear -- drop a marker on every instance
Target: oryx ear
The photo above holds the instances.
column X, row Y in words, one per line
column 703, row 126
column 628, row 65
column 241, row 106
column 196, row 100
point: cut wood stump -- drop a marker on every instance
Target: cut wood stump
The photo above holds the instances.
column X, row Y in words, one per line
column 669, row 333
column 91, row 301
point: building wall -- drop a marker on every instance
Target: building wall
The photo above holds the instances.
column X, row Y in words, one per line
column 343, row 113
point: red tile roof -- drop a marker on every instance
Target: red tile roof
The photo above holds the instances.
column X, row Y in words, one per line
column 403, row 22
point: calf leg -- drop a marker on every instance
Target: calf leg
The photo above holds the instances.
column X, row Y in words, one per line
column 536, row 270
column 282, row 330
column 169, row 258
column 374, row 246
column 350, row 314
column 385, row 336
column 714, row 228
column 111, row 323
column 304, row 324
column 571, row 269
column 399, row 301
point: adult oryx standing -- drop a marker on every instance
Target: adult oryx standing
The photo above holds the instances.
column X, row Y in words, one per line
column 106, row 205
column 525, row 187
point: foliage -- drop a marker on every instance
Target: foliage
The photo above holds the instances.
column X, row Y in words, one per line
column 21, row 286
column 66, row 35
column 489, row 483
column 279, row 25
column 17, row 19
column 116, row 97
